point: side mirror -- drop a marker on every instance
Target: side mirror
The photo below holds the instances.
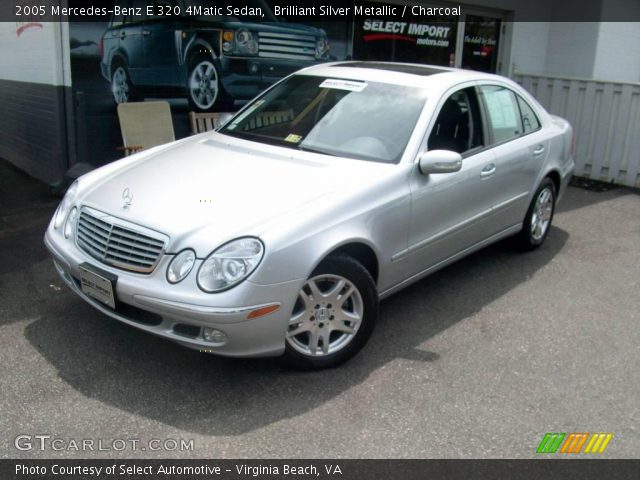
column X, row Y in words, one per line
column 440, row 161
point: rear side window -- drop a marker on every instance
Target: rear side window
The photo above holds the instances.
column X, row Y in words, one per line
column 503, row 113
column 530, row 120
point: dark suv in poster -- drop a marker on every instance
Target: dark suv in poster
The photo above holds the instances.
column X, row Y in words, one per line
column 185, row 50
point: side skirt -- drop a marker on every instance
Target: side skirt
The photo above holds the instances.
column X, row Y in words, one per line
column 447, row 261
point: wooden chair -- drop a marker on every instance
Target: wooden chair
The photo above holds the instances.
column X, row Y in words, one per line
column 207, row 121
column 144, row 125
column 204, row 122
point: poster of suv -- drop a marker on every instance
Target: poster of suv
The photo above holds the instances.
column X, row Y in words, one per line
column 197, row 62
column 211, row 59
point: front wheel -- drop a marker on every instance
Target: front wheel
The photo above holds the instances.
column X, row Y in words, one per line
column 203, row 85
column 537, row 222
column 334, row 315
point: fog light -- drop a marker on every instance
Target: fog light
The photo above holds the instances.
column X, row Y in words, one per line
column 253, row 68
column 214, row 336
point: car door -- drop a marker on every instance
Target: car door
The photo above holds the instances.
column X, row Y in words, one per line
column 520, row 149
column 451, row 212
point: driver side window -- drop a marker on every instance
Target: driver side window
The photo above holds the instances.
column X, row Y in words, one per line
column 458, row 126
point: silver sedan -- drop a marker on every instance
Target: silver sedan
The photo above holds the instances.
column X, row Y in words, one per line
column 340, row 185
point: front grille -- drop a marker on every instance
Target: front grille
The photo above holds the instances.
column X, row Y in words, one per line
column 118, row 243
column 287, row 46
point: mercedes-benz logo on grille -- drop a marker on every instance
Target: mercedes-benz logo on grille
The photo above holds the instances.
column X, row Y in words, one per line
column 127, row 197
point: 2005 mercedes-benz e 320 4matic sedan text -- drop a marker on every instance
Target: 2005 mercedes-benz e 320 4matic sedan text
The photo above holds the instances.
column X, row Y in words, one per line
column 338, row 186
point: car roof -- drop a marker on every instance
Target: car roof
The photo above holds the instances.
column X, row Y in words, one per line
column 412, row 68
column 408, row 74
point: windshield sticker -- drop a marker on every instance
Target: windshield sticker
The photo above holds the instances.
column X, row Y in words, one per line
column 250, row 109
column 293, row 138
column 343, row 85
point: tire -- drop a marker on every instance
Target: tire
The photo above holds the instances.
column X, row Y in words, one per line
column 537, row 222
column 204, row 88
column 334, row 315
column 122, row 89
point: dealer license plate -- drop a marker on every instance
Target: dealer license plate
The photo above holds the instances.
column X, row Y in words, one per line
column 98, row 285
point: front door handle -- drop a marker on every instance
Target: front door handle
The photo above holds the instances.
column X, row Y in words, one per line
column 539, row 150
column 488, row 170
column 146, row 32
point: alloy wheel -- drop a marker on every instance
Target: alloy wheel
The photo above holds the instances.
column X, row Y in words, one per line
column 327, row 316
column 120, row 85
column 203, row 85
column 542, row 212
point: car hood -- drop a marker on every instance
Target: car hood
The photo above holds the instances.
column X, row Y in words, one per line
column 211, row 189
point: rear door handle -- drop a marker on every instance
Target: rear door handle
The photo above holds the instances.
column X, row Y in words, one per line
column 488, row 170
column 146, row 32
column 539, row 150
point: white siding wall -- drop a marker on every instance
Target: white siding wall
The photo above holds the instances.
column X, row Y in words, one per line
column 571, row 49
column 618, row 52
column 529, row 42
column 39, row 54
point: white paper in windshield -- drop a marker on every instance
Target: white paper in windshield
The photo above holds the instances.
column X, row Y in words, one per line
column 343, row 85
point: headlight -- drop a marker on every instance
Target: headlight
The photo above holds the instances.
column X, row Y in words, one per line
column 65, row 205
column 180, row 266
column 240, row 42
column 70, row 224
column 230, row 264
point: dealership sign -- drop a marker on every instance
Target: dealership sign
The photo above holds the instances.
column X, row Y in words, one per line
column 418, row 33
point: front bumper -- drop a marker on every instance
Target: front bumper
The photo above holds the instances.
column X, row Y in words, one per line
column 150, row 303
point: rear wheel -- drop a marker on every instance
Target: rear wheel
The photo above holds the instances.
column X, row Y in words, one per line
column 334, row 315
column 539, row 216
column 122, row 89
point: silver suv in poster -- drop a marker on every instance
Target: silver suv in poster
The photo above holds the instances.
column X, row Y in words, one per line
column 197, row 49
column 340, row 185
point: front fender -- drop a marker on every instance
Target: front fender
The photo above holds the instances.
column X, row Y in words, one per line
column 197, row 45
column 378, row 220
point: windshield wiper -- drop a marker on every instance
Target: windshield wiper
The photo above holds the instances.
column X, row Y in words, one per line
column 315, row 150
column 253, row 137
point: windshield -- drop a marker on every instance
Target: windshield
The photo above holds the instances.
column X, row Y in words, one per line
column 334, row 116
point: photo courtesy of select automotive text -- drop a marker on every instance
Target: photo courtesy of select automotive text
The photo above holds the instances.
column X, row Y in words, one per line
column 345, row 239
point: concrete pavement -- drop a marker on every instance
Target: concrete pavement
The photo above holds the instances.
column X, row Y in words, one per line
column 479, row 360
